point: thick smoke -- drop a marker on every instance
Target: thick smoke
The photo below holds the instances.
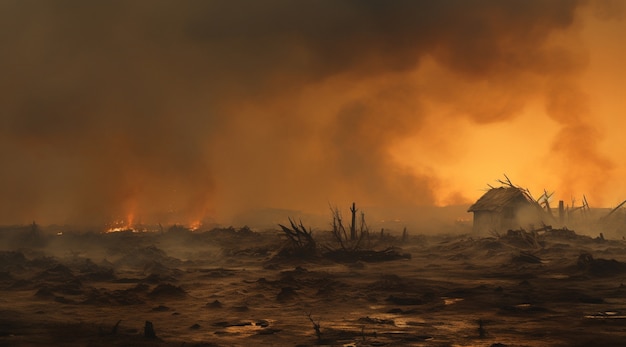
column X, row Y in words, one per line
column 174, row 112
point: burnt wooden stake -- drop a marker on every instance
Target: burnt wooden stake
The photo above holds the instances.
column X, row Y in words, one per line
column 114, row 330
column 481, row 329
column 317, row 327
column 353, row 226
column 148, row 330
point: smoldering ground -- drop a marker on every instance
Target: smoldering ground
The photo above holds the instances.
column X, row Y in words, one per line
column 177, row 112
column 238, row 287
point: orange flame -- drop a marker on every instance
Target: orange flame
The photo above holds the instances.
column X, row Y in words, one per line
column 123, row 224
column 195, row 225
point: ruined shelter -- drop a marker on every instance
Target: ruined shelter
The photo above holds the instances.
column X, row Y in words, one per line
column 506, row 208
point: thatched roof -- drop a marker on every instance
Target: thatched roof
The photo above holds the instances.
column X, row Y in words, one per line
column 496, row 199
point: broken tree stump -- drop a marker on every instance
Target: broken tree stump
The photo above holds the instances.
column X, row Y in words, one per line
column 148, row 330
column 353, row 225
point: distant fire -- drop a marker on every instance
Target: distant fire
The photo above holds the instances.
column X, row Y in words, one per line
column 121, row 226
column 128, row 224
column 124, row 225
column 118, row 229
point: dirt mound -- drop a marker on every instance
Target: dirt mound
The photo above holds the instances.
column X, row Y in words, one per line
column 57, row 273
column 144, row 256
column 163, row 271
column 167, row 290
column 600, row 267
column 286, row 294
column 72, row 287
column 11, row 260
column 372, row 256
column 405, row 300
column 114, row 298
column 526, row 257
column 88, row 270
column 5, row 276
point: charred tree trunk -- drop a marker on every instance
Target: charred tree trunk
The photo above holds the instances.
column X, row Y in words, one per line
column 148, row 331
column 353, row 226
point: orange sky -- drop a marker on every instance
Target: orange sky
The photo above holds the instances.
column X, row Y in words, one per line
column 188, row 111
column 523, row 146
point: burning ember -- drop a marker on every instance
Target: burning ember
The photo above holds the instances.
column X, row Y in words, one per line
column 121, row 226
column 124, row 225
column 193, row 226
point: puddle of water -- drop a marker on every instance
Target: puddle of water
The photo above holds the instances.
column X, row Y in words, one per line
column 376, row 307
column 451, row 301
column 402, row 321
column 247, row 327
column 556, row 276
column 607, row 315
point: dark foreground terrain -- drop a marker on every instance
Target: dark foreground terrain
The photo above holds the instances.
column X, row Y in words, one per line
column 230, row 287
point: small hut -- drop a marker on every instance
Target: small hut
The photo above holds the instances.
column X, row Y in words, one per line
column 506, row 208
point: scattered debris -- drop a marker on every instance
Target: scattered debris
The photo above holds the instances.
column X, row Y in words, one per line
column 600, row 267
column 381, row 321
column 161, row 308
column 301, row 243
column 526, row 257
column 112, row 332
column 368, row 256
column 215, row 304
column 317, row 327
column 167, row 290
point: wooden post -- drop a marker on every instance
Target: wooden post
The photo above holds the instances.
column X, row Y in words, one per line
column 561, row 212
column 148, row 330
column 546, row 197
column 353, row 226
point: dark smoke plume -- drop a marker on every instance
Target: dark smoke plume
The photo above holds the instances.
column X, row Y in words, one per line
column 191, row 110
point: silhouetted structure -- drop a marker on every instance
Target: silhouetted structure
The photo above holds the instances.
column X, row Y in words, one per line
column 506, row 208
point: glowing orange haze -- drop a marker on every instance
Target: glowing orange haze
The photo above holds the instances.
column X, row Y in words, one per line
column 180, row 114
column 561, row 135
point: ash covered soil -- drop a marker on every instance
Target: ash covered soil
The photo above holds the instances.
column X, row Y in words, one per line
column 228, row 287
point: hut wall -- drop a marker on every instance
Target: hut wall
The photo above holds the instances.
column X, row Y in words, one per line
column 509, row 219
column 486, row 221
column 527, row 216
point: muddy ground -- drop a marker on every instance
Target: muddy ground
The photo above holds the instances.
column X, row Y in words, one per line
column 228, row 287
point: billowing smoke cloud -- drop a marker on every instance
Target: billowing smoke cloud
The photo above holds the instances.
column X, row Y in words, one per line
column 170, row 112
